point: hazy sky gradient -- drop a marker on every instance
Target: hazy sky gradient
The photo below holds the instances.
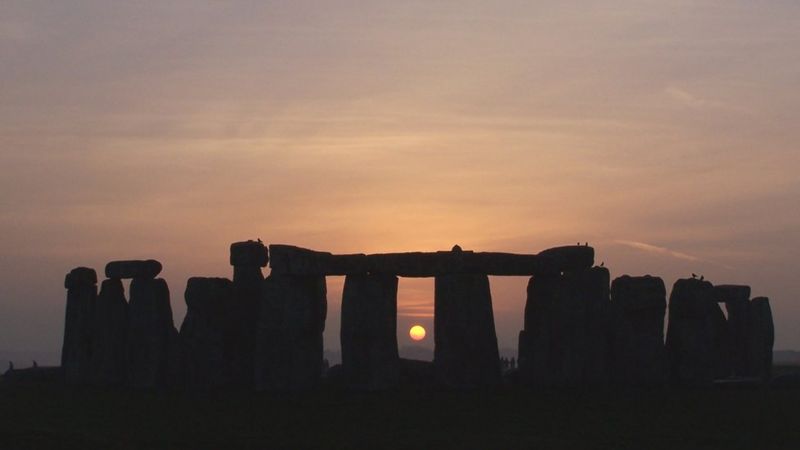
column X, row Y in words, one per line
column 664, row 133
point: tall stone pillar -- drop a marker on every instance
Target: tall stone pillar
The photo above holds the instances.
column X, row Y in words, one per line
column 369, row 331
column 565, row 341
column 208, row 301
column 762, row 338
column 152, row 338
column 76, row 353
column 693, row 333
column 737, row 304
column 109, row 359
column 247, row 259
column 639, row 305
column 289, row 350
column 465, row 353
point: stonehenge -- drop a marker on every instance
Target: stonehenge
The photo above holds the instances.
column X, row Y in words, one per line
column 249, row 331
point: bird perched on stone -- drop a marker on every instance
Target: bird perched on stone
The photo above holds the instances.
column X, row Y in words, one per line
column 702, row 278
column 694, row 275
column 260, row 241
column 603, row 264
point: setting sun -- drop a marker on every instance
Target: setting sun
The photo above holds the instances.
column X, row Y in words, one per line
column 417, row 333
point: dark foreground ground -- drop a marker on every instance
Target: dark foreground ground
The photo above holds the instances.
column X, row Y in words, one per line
column 46, row 415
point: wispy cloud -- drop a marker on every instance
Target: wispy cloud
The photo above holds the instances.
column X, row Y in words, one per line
column 655, row 249
column 650, row 248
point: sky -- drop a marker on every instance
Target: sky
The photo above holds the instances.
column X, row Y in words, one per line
column 663, row 133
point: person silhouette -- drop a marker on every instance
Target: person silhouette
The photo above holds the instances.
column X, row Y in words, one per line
column 35, row 366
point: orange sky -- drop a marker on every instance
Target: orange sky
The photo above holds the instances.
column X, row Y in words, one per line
column 665, row 135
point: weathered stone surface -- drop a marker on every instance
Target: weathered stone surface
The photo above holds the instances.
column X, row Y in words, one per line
column 737, row 304
column 133, row 269
column 639, row 305
column 80, row 276
column 465, row 353
column 249, row 253
column 109, row 361
column 286, row 259
column 762, row 338
column 208, row 301
column 289, row 350
column 76, row 353
column 565, row 341
column 369, row 331
column 151, row 334
column 692, row 332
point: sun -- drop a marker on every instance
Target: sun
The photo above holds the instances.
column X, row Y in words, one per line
column 417, row 333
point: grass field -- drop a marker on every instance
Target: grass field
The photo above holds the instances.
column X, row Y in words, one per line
column 46, row 415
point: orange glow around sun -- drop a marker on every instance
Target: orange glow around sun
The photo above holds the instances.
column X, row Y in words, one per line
column 417, row 333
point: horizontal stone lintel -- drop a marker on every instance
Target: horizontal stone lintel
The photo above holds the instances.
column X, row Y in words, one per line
column 287, row 259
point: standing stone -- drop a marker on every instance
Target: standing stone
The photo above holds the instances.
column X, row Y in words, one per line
column 762, row 338
column 465, row 353
column 369, row 331
column 151, row 334
column 289, row 351
column 247, row 259
column 565, row 341
column 692, row 332
column 737, row 304
column 76, row 353
column 109, row 361
column 639, row 356
column 203, row 332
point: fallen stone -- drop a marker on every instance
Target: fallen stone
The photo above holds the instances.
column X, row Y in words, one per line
column 249, row 253
column 148, row 269
column 151, row 334
column 109, row 361
column 465, row 353
column 289, row 351
column 369, row 331
column 76, row 352
column 692, row 333
column 202, row 333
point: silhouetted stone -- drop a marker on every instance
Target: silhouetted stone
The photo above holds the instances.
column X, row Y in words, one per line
column 737, row 304
column 571, row 258
column 240, row 328
column 416, row 373
column 692, row 332
column 369, row 331
column 466, row 352
column 289, row 340
column 565, row 339
column 109, row 361
column 133, row 269
column 76, row 353
column 80, row 276
column 208, row 302
column 639, row 355
column 286, row 259
column 762, row 337
column 249, row 253
column 151, row 334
